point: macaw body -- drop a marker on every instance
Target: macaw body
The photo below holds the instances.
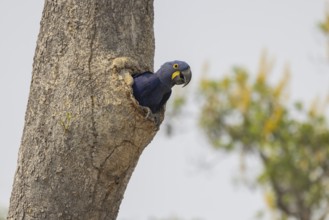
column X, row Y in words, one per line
column 150, row 92
column 154, row 89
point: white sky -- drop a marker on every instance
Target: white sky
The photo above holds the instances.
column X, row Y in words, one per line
column 168, row 180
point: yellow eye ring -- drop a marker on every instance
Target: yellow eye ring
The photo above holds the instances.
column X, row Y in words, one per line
column 175, row 66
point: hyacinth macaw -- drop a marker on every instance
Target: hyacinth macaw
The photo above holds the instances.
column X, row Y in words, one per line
column 154, row 89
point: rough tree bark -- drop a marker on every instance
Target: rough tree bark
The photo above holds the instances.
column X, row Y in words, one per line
column 83, row 130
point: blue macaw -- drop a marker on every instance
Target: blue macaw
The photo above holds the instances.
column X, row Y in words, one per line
column 154, row 89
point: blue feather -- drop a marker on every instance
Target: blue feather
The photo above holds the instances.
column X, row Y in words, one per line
column 150, row 92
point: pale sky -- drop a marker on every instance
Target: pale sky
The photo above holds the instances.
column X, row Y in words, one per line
column 168, row 180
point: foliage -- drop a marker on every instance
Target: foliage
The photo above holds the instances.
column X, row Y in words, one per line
column 324, row 28
column 324, row 25
column 292, row 143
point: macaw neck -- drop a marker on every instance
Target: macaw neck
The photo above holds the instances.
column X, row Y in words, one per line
column 165, row 79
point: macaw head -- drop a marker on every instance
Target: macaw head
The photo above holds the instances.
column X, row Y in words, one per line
column 175, row 73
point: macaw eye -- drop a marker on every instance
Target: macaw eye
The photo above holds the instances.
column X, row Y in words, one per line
column 175, row 66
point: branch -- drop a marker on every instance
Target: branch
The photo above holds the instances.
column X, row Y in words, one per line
column 278, row 191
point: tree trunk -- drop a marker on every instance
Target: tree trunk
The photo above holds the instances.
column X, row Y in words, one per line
column 83, row 130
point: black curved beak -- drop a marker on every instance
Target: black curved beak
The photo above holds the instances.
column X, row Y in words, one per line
column 183, row 77
column 187, row 75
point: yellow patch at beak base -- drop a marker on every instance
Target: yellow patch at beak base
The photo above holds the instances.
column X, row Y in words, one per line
column 175, row 74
